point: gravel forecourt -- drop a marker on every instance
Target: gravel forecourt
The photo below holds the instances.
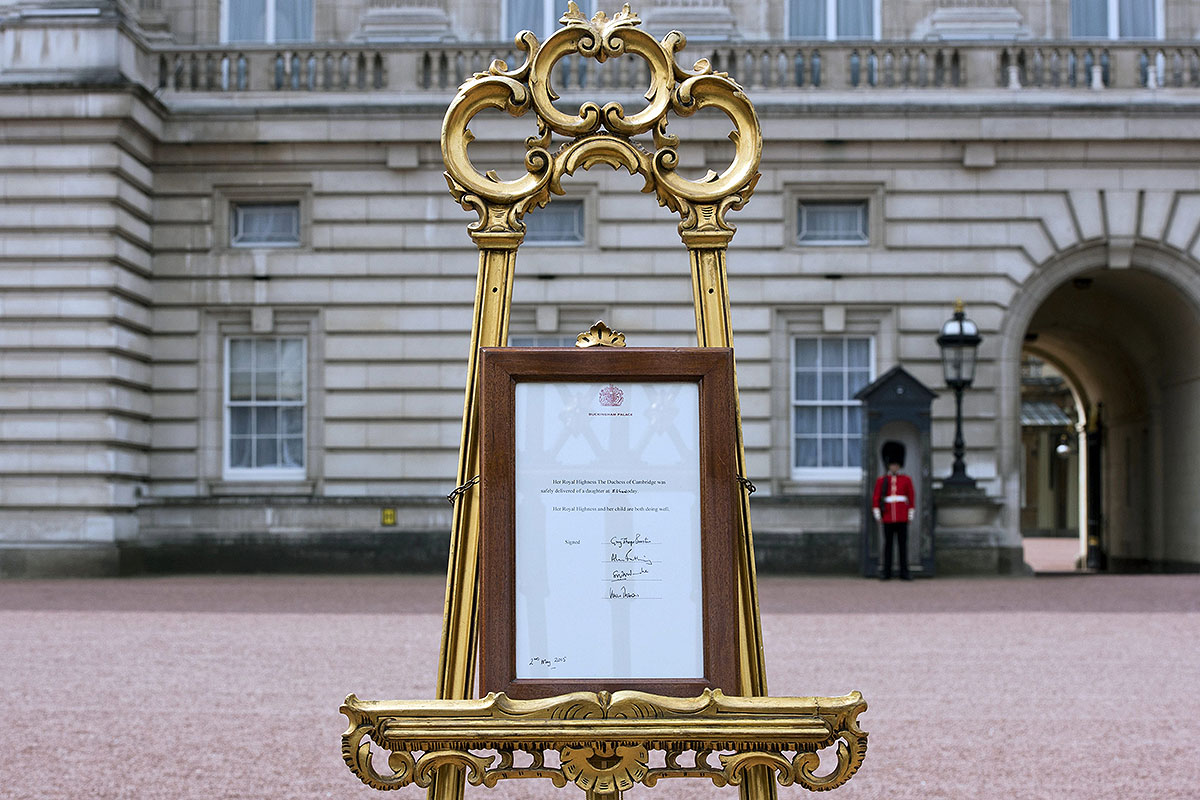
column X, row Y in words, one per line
column 220, row 687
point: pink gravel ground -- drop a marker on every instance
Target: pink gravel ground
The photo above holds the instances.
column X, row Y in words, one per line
column 228, row 687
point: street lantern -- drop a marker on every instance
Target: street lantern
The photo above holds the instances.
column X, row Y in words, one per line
column 959, row 340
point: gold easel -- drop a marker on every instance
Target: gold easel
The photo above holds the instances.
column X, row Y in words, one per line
column 597, row 753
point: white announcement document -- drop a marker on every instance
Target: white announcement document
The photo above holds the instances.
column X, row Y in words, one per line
column 608, row 530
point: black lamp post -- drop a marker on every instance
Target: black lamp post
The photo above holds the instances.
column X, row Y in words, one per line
column 959, row 340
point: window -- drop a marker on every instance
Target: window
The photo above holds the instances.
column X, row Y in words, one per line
column 827, row 371
column 1117, row 19
column 560, row 222
column 833, row 19
column 265, row 224
column 839, row 223
column 264, row 407
column 539, row 16
column 267, row 21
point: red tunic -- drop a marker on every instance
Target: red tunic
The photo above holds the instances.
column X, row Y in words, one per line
column 896, row 498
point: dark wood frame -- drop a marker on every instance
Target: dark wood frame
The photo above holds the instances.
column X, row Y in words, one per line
column 712, row 370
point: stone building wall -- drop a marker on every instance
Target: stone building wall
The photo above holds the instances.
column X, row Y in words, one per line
column 126, row 156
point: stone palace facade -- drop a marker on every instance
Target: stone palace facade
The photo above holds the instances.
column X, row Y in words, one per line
column 235, row 294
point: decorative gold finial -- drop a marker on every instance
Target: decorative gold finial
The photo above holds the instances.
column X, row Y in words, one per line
column 600, row 335
column 958, row 306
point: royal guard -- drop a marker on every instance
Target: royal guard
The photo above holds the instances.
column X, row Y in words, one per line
column 894, row 505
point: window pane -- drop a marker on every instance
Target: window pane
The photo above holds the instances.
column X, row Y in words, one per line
column 1089, row 18
column 853, row 451
column 832, row 453
column 265, row 452
column 806, row 385
column 239, row 421
column 291, row 355
column 833, row 223
column 240, row 353
column 523, row 15
column 291, row 386
column 239, row 385
column 806, row 19
column 833, row 386
column 857, row 381
column 265, row 420
column 833, row 420
column 856, row 19
column 806, row 353
column 858, row 353
column 266, row 223
column 854, row 420
column 832, row 353
column 247, row 20
column 1136, row 19
column 293, row 452
column 806, row 452
column 561, row 222
column 239, row 452
column 293, row 20
column 806, row 421
column 293, row 420
column 265, row 386
column 265, row 354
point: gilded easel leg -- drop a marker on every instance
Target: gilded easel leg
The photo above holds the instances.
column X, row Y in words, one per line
column 493, row 296
column 710, row 290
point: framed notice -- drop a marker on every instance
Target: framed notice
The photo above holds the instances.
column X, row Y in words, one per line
column 608, row 487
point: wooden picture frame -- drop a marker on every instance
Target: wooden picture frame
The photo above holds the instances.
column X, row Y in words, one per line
column 608, row 489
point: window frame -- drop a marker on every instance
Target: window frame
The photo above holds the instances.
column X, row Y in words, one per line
column 1114, row 23
column 865, row 217
column 235, row 213
column 226, row 197
column 844, row 473
column 831, row 20
column 870, row 193
column 231, row 473
column 269, row 36
column 584, row 227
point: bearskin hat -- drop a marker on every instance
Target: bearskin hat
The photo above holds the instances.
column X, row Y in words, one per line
column 893, row 453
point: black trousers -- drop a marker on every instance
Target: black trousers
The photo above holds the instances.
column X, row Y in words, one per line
column 899, row 532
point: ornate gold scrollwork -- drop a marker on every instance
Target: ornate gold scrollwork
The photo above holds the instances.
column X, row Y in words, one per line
column 603, row 740
column 600, row 134
column 600, row 335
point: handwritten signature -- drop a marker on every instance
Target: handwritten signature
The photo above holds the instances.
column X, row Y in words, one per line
column 549, row 663
column 629, row 557
column 625, row 541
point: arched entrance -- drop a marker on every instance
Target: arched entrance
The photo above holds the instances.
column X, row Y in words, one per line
column 1126, row 343
column 1053, row 463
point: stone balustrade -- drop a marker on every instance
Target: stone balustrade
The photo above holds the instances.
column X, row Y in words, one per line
column 835, row 66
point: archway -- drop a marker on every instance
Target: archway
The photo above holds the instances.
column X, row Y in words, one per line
column 1127, row 342
column 1053, row 463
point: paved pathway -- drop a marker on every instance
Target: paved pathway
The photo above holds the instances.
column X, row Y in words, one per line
column 228, row 687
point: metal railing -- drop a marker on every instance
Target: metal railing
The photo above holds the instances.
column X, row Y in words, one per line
column 833, row 66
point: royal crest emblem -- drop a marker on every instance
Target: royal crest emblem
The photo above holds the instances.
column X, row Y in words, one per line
column 611, row 396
